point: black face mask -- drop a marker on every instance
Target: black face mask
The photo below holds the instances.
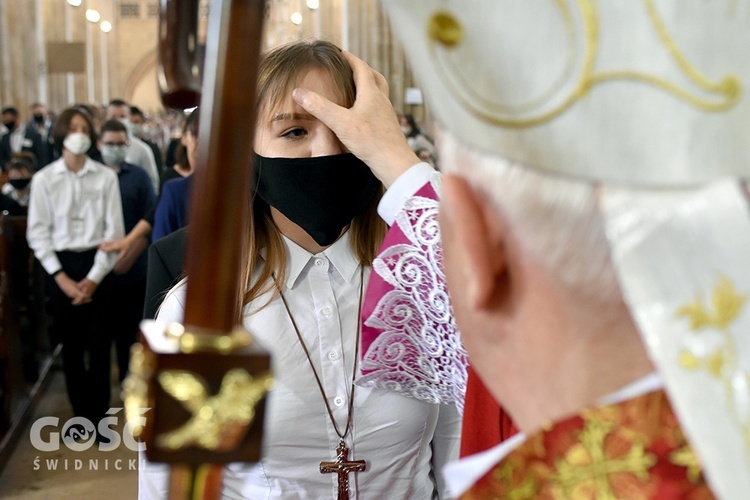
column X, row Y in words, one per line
column 11, row 125
column 39, row 119
column 321, row 195
column 19, row 183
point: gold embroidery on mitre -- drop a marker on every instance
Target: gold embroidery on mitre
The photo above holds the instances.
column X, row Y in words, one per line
column 686, row 457
column 490, row 109
column 727, row 90
column 218, row 422
column 445, row 29
column 726, row 305
column 722, row 364
column 587, row 465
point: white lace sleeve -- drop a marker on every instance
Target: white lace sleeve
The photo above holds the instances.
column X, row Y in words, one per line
column 410, row 340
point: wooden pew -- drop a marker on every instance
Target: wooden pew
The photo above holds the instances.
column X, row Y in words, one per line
column 25, row 351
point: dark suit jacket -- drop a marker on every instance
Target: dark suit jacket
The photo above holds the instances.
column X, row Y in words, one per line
column 157, row 155
column 32, row 143
column 166, row 258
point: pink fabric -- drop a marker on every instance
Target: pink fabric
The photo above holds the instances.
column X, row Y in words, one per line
column 410, row 342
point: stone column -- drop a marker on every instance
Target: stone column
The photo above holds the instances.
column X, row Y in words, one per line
column 18, row 62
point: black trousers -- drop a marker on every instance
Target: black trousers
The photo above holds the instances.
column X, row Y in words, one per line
column 85, row 338
column 124, row 310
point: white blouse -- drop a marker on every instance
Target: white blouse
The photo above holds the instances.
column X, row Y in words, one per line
column 404, row 442
column 74, row 211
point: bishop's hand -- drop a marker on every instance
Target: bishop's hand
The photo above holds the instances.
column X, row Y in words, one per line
column 370, row 128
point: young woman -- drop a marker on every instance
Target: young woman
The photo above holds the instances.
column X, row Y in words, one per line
column 314, row 234
column 20, row 169
column 75, row 206
column 171, row 211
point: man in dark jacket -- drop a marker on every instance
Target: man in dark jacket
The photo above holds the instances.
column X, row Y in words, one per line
column 20, row 138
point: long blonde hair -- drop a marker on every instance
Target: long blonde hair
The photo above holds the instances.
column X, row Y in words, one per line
column 280, row 71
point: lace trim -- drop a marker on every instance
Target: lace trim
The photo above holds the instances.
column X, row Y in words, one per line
column 417, row 349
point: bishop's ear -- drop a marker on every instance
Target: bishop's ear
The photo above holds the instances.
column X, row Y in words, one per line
column 473, row 244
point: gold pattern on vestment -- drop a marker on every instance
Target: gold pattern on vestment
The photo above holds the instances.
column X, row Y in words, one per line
column 687, row 458
column 527, row 489
column 721, row 364
column 726, row 90
column 587, row 464
column 218, row 422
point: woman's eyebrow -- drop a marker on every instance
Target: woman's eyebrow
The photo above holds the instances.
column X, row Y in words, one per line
column 292, row 116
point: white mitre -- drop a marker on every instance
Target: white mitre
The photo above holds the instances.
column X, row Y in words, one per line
column 652, row 98
column 657, row 87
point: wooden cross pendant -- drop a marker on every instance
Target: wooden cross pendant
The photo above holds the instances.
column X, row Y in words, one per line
column 342, row 466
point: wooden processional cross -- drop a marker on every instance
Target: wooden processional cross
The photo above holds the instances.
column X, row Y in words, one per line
column 343, row 466
column 202, row 410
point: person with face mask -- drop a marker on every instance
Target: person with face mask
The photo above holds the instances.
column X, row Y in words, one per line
column 20, row 169
column 172, row 210
column 8, row 204
column 595, row 231
column 74, row 206
column 170, row 220
column 20, row 138
column 124, row 303
column 314, row 234
column 139, row 153
column 41, row 122
column 138, row 127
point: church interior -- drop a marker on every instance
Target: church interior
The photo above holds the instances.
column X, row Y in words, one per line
column 57, row 53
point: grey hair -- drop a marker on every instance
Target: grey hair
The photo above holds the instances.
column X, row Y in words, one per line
column 555, row 220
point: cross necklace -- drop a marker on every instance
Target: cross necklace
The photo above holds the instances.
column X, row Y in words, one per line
column 342, row 466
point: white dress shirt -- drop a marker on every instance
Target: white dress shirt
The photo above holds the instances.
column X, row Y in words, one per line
column 141, row 155
column 405, row 442
column 18, row 139
column 76, row 212
column 9, row 190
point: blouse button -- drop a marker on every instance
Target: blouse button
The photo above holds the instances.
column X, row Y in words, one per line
column 319, row 262
column 333, row 355
column 338, row 401
column 326, row 310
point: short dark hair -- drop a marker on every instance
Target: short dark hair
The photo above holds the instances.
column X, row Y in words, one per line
column 113, row 126
column 180, row 155
column 11, row 111
column 86, row 109
column 135, row 110
column 191, row 123
column 22, row 160
column 118, row 102
column 60, row 130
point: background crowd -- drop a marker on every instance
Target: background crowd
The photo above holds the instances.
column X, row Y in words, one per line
column 152, row 155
